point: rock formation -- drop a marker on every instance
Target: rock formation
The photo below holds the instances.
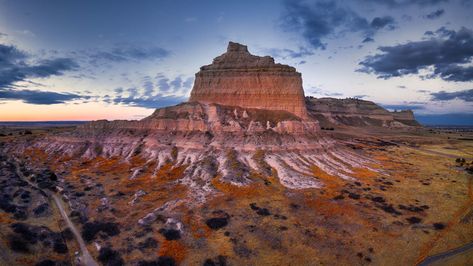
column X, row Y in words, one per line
column 238, row 78
column 246, row 115
column 356, row 112
column 211, row 139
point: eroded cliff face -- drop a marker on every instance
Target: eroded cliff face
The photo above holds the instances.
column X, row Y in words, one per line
column 238, row 78
column 210, row 140
column 356, row 112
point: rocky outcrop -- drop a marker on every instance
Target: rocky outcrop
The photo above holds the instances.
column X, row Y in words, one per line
column 405, row 117
column 211, row 140
column 238, row 78
column 246, row 116
column 356, row 112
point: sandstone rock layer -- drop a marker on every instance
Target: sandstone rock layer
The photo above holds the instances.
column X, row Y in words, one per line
column 357, row 113
column 238, row 78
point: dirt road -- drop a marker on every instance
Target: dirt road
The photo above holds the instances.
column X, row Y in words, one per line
column 85, row 259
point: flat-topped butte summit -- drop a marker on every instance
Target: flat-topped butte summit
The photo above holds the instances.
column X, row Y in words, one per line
column 238, row 78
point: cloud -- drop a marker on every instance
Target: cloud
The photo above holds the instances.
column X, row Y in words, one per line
column 361, row 96
column 383, row 22
column 289, row 53
column 446, row 53
column 39, row 97
column 17, row 65
column 404, row 3
column 322, row 92
column 436, row 14
column 368, row 39
column 124, row 53
column 465, row 95
column 176, row 85
column 403, row 107
column 429, row 33
column 319, row 20
column 155, row 101
column 154, row 92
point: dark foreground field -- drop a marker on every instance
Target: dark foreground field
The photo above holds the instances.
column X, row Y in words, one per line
column 417, row 209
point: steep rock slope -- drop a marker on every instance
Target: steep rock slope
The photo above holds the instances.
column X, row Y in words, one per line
column 238, row 78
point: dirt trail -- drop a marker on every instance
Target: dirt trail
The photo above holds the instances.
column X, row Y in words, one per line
column 86, row 259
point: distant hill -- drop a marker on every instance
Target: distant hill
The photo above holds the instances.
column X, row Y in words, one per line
column 356, row 112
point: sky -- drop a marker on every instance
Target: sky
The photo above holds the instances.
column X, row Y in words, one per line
column 93, row 59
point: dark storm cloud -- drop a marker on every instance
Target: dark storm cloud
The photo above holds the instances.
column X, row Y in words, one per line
column 316, row 21
column 16, row 66
column 403, row 3
column 445, row 53
column 39, row 97
column 454, row 72
column 436, row 14
column 465, row 95
column 124, row 53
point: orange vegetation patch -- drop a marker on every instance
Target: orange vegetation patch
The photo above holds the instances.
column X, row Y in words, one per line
column 364, row 174
column 36, row 155
column 198, row 228
column 330, row 208
column 164, row 175
column 5, row 218
column 111, row 165
column 332, row 183
column 169, row 173
column 174, row 249
column 177, row 191
column 251, row 190
column 25, row 261
column 137, row 160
